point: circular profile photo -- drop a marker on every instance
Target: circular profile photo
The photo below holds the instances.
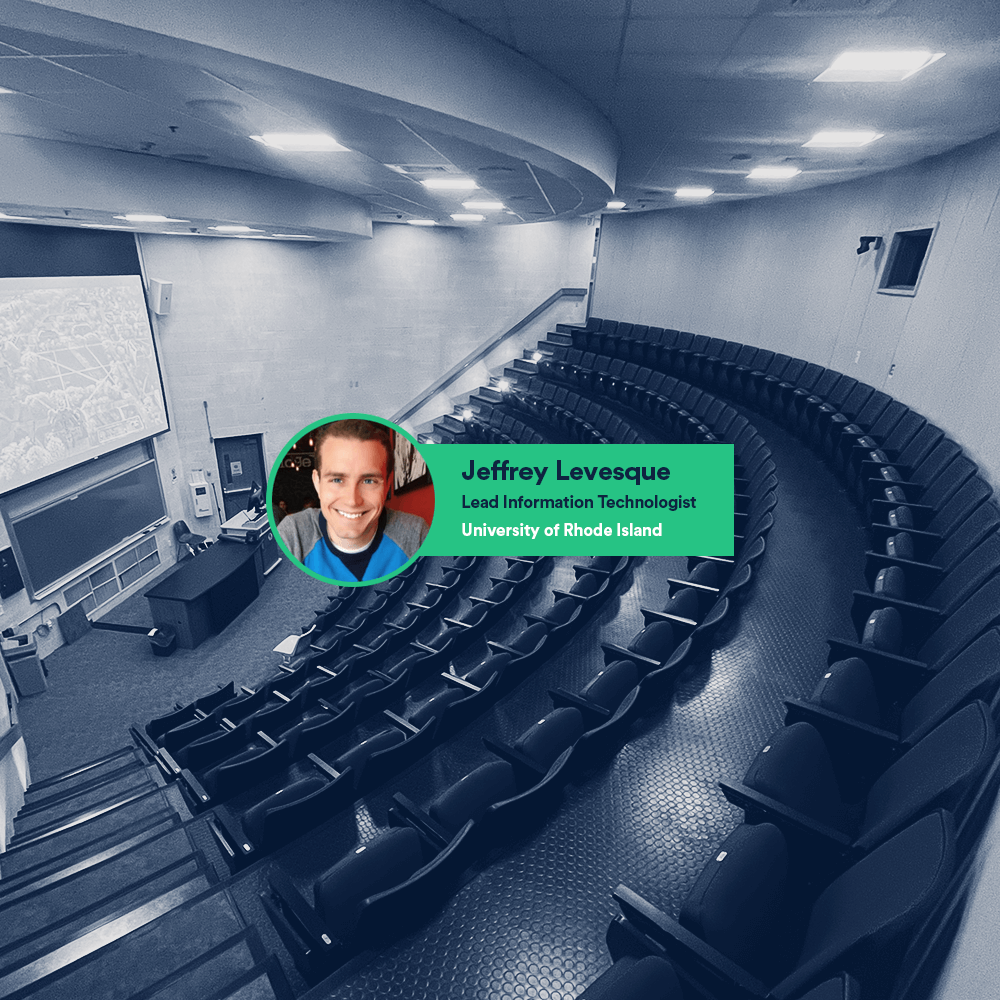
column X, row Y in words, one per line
column 351, row 499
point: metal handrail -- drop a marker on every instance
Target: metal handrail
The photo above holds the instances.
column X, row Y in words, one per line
column 481, row 352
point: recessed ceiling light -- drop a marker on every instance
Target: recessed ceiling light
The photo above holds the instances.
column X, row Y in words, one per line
column 615, row 204
column 301, row 142
column 7, row 90
column 4, row 215
column 449, row 184
column 133, row 217
column 468, row 217
column 843, row 139
column 773, row 173
column 693, row 192
column 421, row 222
column 293, row 236
column 235, row 229
column 103, row 225
column 484, row 206
column 877, row 67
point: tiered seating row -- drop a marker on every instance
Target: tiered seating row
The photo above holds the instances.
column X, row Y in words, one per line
column 839, row 808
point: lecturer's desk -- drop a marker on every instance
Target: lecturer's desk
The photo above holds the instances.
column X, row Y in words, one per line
column 201, row 596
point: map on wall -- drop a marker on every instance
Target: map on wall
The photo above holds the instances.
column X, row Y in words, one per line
column 78, row 373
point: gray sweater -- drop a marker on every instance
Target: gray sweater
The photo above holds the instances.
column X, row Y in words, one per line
column 301, row 531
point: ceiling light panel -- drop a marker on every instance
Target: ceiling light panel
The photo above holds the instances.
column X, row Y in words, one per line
column 449, row 184
column 693, row 193
column 842, row 139
column 468, row 217
column 483, row 206
column 301, row 142
column 421, row 222
column 877, row 67
column 773, row 173
column 615, row 204
column 139, row 217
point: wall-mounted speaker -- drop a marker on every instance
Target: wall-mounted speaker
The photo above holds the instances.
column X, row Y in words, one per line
column 159, row 295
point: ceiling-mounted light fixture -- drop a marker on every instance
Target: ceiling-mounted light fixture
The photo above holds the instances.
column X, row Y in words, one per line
column 235, row 229
column 877, row 67
column 144, row 217
column 483, row 206
column 449, row 184
column 421, row 222
column 693, row 193
column 615, row 204
column 773, row 173
column 843, row 138
column 301, row 142
column 468, row 217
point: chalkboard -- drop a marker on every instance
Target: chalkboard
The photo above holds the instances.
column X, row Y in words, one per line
column 56, row 540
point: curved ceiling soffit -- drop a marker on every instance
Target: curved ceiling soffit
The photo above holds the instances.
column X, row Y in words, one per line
column 402, row 60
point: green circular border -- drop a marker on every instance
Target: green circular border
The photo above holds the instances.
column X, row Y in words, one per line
column 274, row 473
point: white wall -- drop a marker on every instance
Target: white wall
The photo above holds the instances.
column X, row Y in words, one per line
column 275, row 335
column 782, row 273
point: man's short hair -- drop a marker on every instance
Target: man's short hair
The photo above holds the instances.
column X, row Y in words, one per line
column 358, row 430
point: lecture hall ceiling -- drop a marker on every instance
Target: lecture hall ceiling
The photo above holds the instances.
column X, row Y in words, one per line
column 552, row 107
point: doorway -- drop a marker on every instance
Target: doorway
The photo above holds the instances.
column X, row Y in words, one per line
column 241, row 463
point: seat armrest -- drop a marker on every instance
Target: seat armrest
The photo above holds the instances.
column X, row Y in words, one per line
column 693, row 956
column 407, row 812
column 519, row 761
column 302, row 916
column 592, row 712
column 840, row 731
column 821, row 838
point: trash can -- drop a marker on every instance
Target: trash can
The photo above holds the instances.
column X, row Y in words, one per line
column 20, row 653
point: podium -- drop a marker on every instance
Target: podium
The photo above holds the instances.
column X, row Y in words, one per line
column 201, row 596
column 242, row 527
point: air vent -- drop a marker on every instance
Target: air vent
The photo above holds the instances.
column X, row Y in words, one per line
column 825, row 8
column 423, row 168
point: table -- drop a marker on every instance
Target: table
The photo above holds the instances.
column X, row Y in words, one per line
column 201, row 596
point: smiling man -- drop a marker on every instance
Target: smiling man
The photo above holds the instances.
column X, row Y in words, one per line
column 353, row 535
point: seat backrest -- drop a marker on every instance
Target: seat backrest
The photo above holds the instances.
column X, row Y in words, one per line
column 655, row 641
column 738, row 903
column 794, row 767
column 526, row 641
column 884, row 630
column 983, row 521
column 551, row 735
column 973, row 617
column 386, row 861
column 972, row 492
column 472, row 795
column 358, row 755
column 609, row 686
column 936, row 773
column 848, row 688
column 434, row 707
column 867, row 910
column 974, row 673
column 969, row 574
column 485, row 669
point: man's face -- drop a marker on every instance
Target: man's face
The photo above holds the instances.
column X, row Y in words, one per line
column 352, row 485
